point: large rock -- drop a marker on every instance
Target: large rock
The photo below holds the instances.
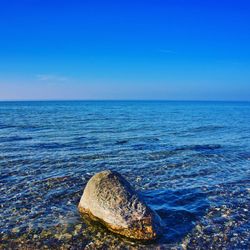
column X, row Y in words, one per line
column 110, row 199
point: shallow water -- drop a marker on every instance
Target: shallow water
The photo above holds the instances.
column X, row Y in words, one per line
column 190, row 161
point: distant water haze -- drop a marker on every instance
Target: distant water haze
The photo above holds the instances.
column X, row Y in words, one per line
column 108, row 91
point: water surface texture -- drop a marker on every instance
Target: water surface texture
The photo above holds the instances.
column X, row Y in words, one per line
column 189, row 160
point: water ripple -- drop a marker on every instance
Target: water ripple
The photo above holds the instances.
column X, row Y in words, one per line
column 189, row 162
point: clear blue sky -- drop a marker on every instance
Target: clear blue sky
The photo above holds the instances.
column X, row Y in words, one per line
column 158, row 49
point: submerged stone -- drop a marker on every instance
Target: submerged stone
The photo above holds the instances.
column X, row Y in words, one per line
column 110, row 199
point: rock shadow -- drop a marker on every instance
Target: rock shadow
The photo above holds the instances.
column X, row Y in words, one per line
column 179, row 210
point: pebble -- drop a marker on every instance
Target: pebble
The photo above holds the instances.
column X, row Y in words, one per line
column 15, row 230
column 67, row 236
column 78, row 227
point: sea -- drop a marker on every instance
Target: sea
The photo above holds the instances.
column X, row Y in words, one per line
column 190, row 161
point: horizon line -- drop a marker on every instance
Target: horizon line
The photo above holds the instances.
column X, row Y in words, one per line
column 114, row 100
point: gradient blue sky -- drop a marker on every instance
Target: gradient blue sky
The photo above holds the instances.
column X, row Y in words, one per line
column 158, row 49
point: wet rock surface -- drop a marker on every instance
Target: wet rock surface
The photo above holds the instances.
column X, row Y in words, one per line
column 110, row 199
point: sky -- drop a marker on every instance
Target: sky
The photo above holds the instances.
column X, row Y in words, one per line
column 135, row 50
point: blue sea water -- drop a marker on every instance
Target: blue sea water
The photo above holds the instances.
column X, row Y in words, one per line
column 189, row 160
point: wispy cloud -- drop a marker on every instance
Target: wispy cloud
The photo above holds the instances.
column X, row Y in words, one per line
column 48, row 77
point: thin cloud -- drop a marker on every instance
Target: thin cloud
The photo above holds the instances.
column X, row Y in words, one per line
column 46, row 77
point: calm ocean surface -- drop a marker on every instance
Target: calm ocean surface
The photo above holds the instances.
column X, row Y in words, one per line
column 190, row 161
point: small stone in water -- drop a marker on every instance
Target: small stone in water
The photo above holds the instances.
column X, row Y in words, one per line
column 78, row 227
column 67, row 236
column 15, row 230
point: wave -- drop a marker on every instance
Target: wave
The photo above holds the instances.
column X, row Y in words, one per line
column 14, row 138
column 207, row 128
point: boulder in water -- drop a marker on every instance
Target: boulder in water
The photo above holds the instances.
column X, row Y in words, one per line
column 110, row 199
